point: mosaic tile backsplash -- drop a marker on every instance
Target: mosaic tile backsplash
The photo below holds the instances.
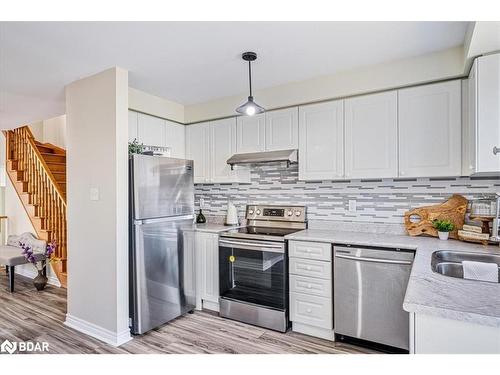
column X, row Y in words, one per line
column 378, row 201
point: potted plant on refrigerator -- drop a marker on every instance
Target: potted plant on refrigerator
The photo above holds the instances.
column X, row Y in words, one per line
column 444, row 227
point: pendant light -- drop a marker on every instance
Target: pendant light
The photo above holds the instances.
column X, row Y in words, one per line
column 250, row 108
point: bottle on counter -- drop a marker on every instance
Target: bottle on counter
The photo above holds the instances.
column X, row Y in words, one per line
column 200, row 218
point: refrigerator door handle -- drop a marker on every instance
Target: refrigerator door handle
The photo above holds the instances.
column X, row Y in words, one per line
column 163, row 219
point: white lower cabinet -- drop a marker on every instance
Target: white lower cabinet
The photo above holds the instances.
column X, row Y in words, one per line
column 310, row 284
column 207, row 270
column 437, row 335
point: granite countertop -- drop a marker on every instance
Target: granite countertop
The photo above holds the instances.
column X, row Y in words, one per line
column 213, row 228
column 428, row 292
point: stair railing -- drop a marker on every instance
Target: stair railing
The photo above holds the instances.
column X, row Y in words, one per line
column 45, row 193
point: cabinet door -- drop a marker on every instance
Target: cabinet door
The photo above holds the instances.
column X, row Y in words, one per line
column 223, row 146
column 176, row 139
column 282, row 129
column 488, row 114
column 151, row 130
column 430, row 130
column 250, row 131
column 132, row 126
column 189, row 266
column 207, row 246
column 321, row 141
column 469, row 96
column 371, row 136
column 197, row 149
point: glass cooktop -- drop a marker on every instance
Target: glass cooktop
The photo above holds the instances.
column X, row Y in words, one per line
column 273, row 234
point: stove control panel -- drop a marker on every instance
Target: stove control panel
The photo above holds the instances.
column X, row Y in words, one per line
column 279, row 213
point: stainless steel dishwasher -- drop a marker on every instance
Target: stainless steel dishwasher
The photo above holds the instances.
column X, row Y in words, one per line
column 369, row 288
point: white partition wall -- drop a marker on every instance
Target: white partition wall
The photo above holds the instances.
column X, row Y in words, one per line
column 97, row 191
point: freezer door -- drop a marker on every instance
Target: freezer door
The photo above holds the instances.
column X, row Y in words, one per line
column 162, row 273
column 161, row 187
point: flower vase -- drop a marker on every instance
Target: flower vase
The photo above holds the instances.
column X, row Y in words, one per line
column 40, row 281
column 443, row 236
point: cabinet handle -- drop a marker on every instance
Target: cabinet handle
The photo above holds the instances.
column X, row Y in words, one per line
column 308, row 268
column 309, row 286
column 309, row 311
column 496, row 150
column 402, row 173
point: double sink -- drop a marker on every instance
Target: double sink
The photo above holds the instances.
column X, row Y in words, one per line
column 449, row 263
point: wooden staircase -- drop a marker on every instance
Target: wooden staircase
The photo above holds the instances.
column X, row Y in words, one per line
column 38, row 173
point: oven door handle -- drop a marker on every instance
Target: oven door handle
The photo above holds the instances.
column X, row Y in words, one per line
column 274, row 248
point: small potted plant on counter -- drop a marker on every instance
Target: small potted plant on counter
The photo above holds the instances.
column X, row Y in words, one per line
column 444, row 227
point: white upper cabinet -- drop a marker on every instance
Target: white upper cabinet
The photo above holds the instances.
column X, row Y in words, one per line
column 198, row 150
column 223, row 146
column 321, row 141
column 371, row 136
column 151, row 130
column 468, row 123
column 251, row 133
column 176, row 139
column 210, row 144
column 132, row 126
column 485, row 98
column 430, row 130
column 282, row 129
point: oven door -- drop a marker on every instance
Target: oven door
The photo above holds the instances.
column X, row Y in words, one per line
column 253, row 272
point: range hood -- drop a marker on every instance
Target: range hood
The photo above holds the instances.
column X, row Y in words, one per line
column 288, row 156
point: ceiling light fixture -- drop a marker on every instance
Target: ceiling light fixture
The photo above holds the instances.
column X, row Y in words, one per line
column 250, row 108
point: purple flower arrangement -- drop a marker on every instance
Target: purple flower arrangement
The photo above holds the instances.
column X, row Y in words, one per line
column 30, row 256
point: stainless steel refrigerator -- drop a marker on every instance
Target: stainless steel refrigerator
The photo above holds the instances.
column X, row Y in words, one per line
column 162, row 284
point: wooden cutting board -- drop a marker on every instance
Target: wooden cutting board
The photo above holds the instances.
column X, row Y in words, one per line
column 419, row 220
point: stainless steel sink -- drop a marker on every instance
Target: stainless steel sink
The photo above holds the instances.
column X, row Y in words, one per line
column 449, row 263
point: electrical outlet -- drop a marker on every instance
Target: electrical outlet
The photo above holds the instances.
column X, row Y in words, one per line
column 352, row 205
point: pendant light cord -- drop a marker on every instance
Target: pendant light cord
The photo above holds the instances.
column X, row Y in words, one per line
column 250, row 76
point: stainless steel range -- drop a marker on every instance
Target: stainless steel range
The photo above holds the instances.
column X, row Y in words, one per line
column 253, row 266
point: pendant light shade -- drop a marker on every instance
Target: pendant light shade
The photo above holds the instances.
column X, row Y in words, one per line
column 250, row 108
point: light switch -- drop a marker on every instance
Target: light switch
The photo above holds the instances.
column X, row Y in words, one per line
column 352, row 205
column 94, row 194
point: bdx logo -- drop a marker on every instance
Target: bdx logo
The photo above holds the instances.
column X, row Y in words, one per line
column 23, row 346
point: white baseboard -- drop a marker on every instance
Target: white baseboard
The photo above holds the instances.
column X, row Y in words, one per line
column 31, row 273
column 306, row 329
column 100, row 333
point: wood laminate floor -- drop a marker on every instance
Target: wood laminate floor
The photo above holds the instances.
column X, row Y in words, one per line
column 28, row 315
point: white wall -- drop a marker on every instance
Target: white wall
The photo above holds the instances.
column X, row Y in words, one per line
column 54, row 131
column 97, row 133
column 143, row 102
column 411, row 71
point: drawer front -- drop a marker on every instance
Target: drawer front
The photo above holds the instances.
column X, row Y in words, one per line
column 311, row 250
column 311, row 286
column 312, row 310
column 313, row 268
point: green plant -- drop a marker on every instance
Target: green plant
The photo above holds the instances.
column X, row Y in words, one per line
column 135, row 148
column 443, row 225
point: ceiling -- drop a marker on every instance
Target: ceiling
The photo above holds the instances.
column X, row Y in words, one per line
column 193, row 62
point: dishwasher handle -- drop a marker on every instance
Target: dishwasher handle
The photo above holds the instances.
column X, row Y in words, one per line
column 374, row 260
